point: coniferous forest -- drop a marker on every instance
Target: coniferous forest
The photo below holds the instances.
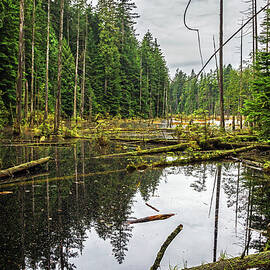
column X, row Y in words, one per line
column 103, row 68
column 96, row 137
column 71, row 60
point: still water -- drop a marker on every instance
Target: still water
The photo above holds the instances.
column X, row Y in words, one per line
column 73, row 213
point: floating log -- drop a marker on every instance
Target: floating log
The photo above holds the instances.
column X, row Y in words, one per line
column 150, row 141
column 252, row 261
column 5, row 192
column 164, row 247
column 172, row 148
column 251, row 164
column 22, row 167
column 151, row 218
column 195, row 157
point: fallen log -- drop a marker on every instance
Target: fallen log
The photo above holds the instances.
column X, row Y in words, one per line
column 195, row 157
column 226, row 140
column 255, row 260
column 172, row 148
column 151, row 218
column 22, row 167
column 165, row 246
column 150, row 141
column 251, row 164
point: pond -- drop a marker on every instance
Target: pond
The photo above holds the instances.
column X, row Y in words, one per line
column 73, row 213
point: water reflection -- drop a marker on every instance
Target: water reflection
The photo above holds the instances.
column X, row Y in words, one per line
column 49, row 224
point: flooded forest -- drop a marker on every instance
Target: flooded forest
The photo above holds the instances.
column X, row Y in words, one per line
column 107, row 161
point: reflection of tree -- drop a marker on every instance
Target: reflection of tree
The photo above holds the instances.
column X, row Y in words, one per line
column 200, row 184
column 54, row 233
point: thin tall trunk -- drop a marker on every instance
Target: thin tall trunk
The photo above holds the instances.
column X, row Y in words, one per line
column 105, row 84
column 267, row 28
column 253, row 33
column 84, row 64
column 26, row 100
column 217, row 212
column 241, row 78
column 256, row 26
column 222, row 120
column 76, row 68
column 58, row 97
column 33, row 64
column 17, row 127
column 90, row 106
column 47, row 61
column 141, row 70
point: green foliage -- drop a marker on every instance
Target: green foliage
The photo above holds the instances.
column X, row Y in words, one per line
column 123, row 76
column 257, row 106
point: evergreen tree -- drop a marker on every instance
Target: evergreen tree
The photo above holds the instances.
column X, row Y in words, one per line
column 257, row 108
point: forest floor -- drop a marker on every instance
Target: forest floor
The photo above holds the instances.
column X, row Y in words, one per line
column 173, row 141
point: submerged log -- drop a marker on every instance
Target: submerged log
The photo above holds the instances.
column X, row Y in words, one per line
column 151, row 218
column 165, row 246
column 22, row 167
column 255, row 260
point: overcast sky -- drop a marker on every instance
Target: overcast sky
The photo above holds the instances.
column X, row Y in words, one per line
column 164, row 19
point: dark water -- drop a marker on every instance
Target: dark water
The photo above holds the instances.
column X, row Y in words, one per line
column 72, row 214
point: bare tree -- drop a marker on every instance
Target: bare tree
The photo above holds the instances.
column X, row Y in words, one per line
column 84, row 64
column 47, row 62
column 76, row 68
column 58, row 97
column 222, row 120
column 17, row 127
column 33, row 63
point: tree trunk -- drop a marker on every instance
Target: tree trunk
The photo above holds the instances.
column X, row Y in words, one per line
column 47, row 62
column 76, row 68
column 141, row 70
column 33, row 64
column 17, row 127
column 84, row 64
column 58, row 97
column 241, row 78
column 222, row 120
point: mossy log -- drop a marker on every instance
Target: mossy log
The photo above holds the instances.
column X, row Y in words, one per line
column 195, row 157
column 150, row 141
column 22, row 167
column 164, row 247
column 226, row 141
column 158, row 150
column 255, row 260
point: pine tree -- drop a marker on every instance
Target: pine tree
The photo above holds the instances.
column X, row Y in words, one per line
column 257, row 108
column 109, row 57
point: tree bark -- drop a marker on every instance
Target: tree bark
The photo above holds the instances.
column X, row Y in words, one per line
column 23, row 167
column 33, row 64
column 222, row 120
column 58, row 97
column 165, row 246
column 47, row 61
column 76, row 67
column 17, row 127
column 84, row 64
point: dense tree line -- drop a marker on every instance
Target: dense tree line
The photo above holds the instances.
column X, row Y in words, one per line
column 189, row 94
column 103, row 67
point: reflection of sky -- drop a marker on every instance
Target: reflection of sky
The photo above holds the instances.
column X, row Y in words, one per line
column 194, row 244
